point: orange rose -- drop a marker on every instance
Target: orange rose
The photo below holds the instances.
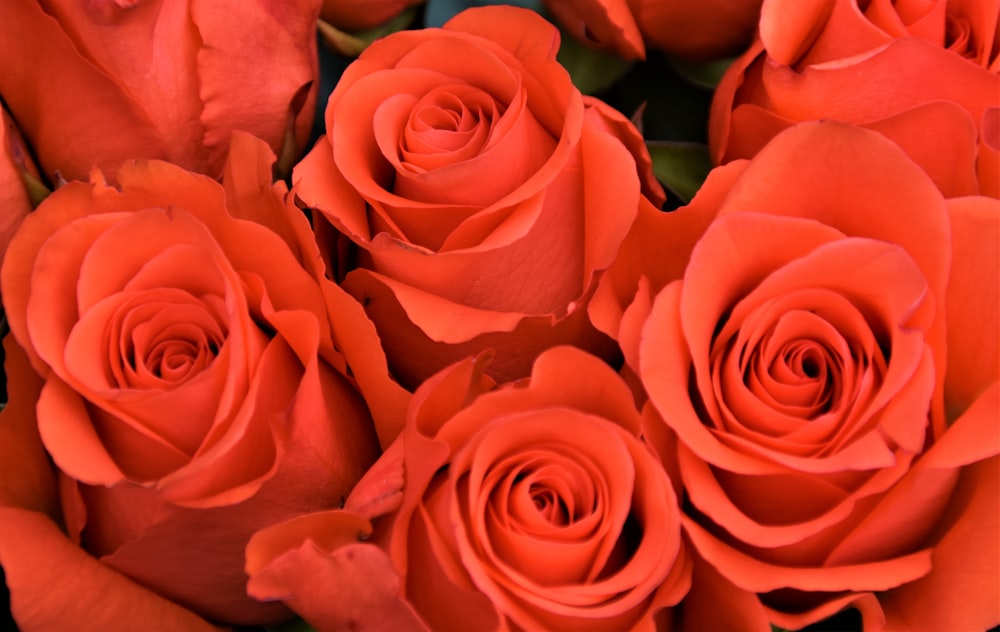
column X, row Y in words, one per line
column 482, row 198
column 691, row 29
column 534, row 506
column 103, row 81
column 922, row 73
column 192, row 392
column 827, row 362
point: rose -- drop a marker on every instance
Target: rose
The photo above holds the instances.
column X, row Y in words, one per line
column 192, row 391
column 55, row 584
column 482, row 198
column 533, row 506
column 97, row 83
column 827, row 359
column 922, row 73
column 689, row 29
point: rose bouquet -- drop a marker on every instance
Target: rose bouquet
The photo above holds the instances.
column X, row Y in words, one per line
column 597, row 315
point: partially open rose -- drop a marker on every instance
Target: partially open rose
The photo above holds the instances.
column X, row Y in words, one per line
column 827, row 360
column 923, row 73
column 483, row 193
column 534, row 506
column 103, row 81
column 192, row 391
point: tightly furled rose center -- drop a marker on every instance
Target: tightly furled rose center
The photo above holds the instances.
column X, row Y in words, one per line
column 802, row 355
column 434, row 139
column 448, row 125
column 164, row 337
column 543, row 507
column 542, row 497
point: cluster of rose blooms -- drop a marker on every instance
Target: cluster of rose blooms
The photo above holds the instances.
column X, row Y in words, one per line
column 452, row 367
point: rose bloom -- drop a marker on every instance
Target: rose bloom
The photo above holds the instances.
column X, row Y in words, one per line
column 923, row 73
column 532, row 506
column 103, row 81
column 823, row 349
column 690, row 29
column 357, row 15
column 188, row 392
column 483, row 194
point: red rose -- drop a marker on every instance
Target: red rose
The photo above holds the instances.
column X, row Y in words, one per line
column 825, row 352
column 103, row 81
column 483, row 200
column 691, row 29
column 534, row 506
column 922, row 73
column 192, row 392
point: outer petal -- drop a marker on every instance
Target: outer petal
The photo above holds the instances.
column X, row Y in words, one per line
column 250, row 194
column 714, row 603
column 36, row 556
column 610, row 120
column 90, row 107
column 359, row 577
column 907, row 72
column 150, row 56
column 973, row 301
column 26, row 477
column 423, row 333
column 988, row 164
column 245, row 40
column 14, row 161
column 965, row 561
column 710, row 29
column 608, row 24
column 657, row 247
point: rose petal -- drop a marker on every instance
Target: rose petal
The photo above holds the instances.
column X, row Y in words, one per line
column 26, row 476
column 607, row 23
column 276, row 41
column 94, row 116
column 973, row 301
column 36, row 556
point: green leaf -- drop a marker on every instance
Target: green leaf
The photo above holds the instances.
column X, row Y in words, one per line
column 295, row 625
column 702, row 74
column 37, row 191
column 680, row 166
column 592, row 70
column 353, row 43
